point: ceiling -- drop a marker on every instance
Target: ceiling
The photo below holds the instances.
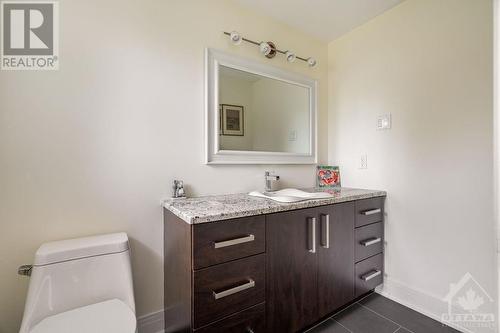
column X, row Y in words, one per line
column 325, row 19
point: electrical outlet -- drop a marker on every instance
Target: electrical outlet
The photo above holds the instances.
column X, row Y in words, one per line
column 363, row 162
column 292, row 135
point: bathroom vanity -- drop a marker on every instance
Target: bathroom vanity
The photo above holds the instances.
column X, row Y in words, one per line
column 235, row 263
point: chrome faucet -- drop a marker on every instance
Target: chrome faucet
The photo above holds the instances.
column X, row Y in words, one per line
column 269, row 179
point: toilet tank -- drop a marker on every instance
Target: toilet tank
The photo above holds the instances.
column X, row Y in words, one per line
column 73, row 273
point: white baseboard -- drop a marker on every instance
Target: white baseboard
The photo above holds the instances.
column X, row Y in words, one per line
column 427, row 304
column 151, row 323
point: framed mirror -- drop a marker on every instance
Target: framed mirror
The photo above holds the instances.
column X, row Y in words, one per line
column 257, row 113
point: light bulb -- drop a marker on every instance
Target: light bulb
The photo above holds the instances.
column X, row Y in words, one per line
column 235, row 37
column 311, row 62
column 290, row 56
column 265, row 48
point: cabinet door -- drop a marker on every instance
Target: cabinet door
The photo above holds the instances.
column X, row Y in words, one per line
column 335, row 256
column 291, row 270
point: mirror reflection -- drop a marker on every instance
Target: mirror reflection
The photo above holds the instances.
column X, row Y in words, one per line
column 258, row 113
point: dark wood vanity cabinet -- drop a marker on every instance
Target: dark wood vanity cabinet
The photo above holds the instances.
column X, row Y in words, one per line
column 310, row 265
column 369, row 245
column 335, row 257
column 280, row 272
column 291, row 270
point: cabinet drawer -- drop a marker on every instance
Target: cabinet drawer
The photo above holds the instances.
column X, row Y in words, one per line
column 369, row 211
column 369, row 273
column 369, row 240
column 218, row 242
column 249, row 320
column 228, row 288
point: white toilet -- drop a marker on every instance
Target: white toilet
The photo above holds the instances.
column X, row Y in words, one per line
column 81, row 285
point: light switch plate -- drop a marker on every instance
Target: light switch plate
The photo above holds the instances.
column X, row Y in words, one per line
column 384, row 122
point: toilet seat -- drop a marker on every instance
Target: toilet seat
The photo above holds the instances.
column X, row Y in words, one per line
column 112, row 316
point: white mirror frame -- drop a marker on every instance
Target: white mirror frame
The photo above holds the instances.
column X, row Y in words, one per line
column 213, row 60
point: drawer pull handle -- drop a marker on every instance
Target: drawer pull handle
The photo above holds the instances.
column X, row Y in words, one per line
column 231, row 242
column 311, row 223
column 371, row 241
column 371, row 211
column 371, row 275
column 231, row 291
column 325, row 231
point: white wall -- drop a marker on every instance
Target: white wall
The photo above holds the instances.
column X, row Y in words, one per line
column 93, row 147
column 429, row 64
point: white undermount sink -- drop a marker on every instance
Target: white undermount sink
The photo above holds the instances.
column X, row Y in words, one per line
column 291, row 195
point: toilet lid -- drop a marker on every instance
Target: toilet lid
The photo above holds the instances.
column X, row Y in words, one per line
column 111, row 316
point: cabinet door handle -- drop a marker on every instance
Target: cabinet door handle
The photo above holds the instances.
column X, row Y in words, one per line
column 325, row 230
column 231, row 291
column 249, row 238
column 370, row 275
column 371, row 211
column 311, row 246
column 371, row 241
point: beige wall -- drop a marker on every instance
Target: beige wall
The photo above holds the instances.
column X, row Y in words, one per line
column 496, row 19
column 278, row 109
column 93, row 147
column 236, row 91
column 429, row 64
column 272, row 109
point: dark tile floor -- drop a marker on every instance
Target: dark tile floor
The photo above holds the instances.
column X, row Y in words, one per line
column 377, row 314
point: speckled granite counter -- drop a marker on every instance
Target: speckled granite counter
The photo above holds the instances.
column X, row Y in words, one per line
column 229, row 206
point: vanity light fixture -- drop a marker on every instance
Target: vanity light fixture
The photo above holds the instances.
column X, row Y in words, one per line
column 269, row 49
column 265, row 48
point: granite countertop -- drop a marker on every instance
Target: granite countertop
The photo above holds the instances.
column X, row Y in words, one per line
column 229, row 206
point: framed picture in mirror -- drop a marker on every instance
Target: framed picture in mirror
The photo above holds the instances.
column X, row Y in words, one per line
column 232, row 120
